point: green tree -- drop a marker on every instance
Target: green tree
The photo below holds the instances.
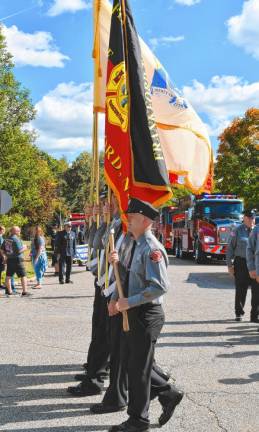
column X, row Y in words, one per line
column 23, row 171
column 237, row 167
column 77, row 181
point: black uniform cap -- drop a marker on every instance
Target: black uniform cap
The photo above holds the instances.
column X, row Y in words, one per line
column 142, row 207
column 249, row 213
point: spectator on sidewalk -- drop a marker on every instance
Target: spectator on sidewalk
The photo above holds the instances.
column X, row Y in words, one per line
column 66, row 250
column 39, row 256
column 2, row 266
column 13, row 252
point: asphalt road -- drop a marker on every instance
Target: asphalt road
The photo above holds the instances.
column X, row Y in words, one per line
column 44, row 340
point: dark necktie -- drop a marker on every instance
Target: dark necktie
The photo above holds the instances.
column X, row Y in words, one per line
column 128, row 268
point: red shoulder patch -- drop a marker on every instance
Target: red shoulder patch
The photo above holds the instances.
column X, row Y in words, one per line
column 156, row 255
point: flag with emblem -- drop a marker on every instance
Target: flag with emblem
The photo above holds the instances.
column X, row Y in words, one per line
column 183, row 136
column 134, row 162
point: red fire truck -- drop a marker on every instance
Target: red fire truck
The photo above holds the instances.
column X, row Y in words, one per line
column 202, row 224
column 163, row 227
column 77, row 220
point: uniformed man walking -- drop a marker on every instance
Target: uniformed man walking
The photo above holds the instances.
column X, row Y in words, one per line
column 252, row 257
column 147, row 283
column 66, row 250
column 237, row 266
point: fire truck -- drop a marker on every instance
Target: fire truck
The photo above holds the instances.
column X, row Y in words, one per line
column 201, row 225
column 77, row 220
column 163, row 227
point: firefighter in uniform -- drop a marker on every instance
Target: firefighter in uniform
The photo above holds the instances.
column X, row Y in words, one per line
column 92, row 381
column 147, row 283
column 252, row 257
column 237, row 266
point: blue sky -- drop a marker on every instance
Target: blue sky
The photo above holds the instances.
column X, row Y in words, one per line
column 209, row 48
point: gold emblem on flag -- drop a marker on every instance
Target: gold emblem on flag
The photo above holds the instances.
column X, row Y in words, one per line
column 117, row 98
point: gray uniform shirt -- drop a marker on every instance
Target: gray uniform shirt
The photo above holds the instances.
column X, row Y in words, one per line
column 252, row 252
column 98, row 238
column 148, row 279
column 237, row 243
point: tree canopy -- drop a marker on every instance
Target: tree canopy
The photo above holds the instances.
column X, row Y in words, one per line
column 24, row 172
column 237, row 167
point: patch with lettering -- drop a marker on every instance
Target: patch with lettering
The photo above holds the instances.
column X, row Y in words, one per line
column 156, row 255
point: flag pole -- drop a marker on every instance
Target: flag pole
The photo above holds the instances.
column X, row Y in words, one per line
column 108, row 244
column 118, row 283
column 97, row 73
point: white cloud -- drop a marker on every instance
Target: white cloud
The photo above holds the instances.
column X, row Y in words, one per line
column 34, row 49
column 223, row 99
column 61, row 6
column 243, row 29
column 164, row 41
column 187, row 2
column 64, row 119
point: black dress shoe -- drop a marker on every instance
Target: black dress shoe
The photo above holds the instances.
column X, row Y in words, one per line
column 254, row 320
column 69, row 281
column 127, row 427
column 101, row 408
column 168, row 409
column 83, row 390
column 61, row 282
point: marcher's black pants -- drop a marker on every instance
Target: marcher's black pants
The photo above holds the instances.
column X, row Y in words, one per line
column 145, row 324
column 242, row 282
column 117, row 392
column 65, row 266
column 99, row 349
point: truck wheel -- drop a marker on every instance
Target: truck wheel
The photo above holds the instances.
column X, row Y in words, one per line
column 199, row 255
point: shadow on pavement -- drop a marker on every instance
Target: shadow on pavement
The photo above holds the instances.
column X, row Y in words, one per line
column 230, row 381
column 61, row 297
column 190, row 262
column 25, row 385
column 198, row 322
column 211, row 280
column 66, row 429
column 239, row 354
column 249, row 336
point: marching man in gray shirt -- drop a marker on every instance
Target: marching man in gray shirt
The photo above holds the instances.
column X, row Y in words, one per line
column 252, row 256
column 237, row 266
column 144, row 289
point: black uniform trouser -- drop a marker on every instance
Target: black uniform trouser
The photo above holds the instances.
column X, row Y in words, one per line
column 242, row 282
column 145, row 323
column 99, row 349
column 65, row 266
column 117, row 392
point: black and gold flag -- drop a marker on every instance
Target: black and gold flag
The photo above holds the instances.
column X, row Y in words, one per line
column 134, row 161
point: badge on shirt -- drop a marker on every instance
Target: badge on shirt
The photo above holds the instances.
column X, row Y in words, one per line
column 156, row 255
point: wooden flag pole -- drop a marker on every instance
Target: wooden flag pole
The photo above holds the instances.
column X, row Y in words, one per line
column 119, row 285
column 108, row 245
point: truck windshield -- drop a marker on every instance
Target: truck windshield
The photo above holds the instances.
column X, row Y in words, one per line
column 225, row 209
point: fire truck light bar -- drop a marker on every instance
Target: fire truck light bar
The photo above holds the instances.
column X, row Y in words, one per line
column 215, row 196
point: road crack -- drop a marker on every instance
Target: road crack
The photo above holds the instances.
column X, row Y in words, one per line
column 210, row 410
